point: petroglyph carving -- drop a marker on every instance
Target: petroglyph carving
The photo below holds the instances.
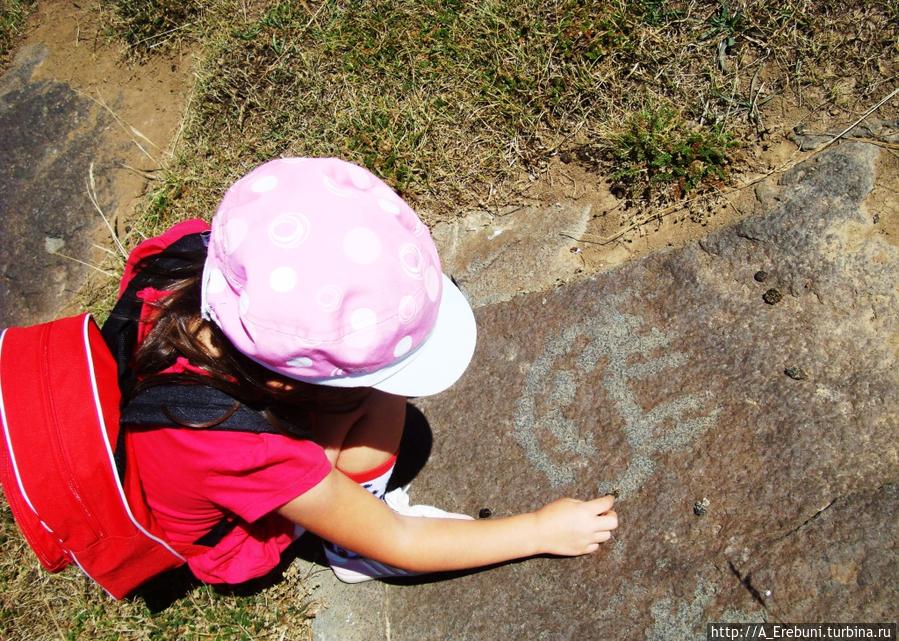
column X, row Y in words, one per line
column 613, row 337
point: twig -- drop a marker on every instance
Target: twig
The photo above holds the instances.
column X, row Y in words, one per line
column 177, row 137
column 82, row 262
column 857, row 122
column 92, row 194
column 128, row 128
column 314, row 16
column 149, row 174
column 875, row 141
column 164, row 33
column 755, row 116
column 104, row 249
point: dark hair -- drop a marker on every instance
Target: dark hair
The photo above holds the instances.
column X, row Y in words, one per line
column 178, row 330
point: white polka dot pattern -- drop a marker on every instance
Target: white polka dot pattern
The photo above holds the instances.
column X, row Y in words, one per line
column 289, row 230
column 283, row 279
column 331, row 186
column 315, row 270
column 407, row 310
column 403, row 346
column 235, row 232
column 411, row 260
column 389, row 206
column 360, row 178
column 264, row 184
column 329, row 298
column 363, row 318
column 361, row 245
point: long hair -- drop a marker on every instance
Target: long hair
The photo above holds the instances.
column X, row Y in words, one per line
column 178, row 330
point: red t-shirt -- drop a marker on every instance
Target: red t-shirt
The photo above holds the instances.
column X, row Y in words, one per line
column 192, row 479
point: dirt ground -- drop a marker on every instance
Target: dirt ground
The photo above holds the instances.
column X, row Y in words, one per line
column 146, row 101
column 610, row 239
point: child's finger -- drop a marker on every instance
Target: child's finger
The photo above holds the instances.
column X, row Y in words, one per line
column 608, row 521
column 602, row 504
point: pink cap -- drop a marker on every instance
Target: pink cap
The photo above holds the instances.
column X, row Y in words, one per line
column 318, row 270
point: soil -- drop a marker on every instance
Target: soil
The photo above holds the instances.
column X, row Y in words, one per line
column 130, row 116
column 604, row 246
column 147, row 100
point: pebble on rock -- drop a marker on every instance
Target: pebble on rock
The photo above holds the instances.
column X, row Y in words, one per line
column 796, row 373
column 700, row 508
column 760, row 276
column 485, row 513
column 772, row 296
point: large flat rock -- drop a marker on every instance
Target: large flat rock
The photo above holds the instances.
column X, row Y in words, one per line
column 495, row 258
column 745, row 494
column 49, row 136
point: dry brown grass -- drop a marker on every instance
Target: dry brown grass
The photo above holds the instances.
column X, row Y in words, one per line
column 453, row 102
column 37, row 606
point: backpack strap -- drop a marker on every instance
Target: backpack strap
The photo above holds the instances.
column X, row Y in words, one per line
column 199, row 407
column 172, row 405
column 120, row 330
column 193, row 406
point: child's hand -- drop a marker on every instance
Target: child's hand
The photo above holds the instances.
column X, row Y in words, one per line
column 569, row 527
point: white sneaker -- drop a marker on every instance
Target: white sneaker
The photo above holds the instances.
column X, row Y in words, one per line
column 349, row 567
column 353, row 568
column 399, row 502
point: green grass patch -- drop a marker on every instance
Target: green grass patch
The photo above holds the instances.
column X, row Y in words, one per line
column 151, row 24
column 656, row 148
column 12, row 19
column 450, row 100
column 35, row 605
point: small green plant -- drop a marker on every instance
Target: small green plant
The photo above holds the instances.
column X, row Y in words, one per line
column 657, row 149
column 147, row 24
column 726, row 23
column 12, row 19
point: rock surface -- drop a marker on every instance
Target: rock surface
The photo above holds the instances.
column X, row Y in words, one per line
column 71, row 107
column 495, row 258
column 49, row 135
column 665, row 380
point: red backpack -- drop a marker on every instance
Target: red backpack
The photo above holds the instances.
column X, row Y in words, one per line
column 62, row 463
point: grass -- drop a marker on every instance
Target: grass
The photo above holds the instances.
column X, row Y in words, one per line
column 12, row 21
column 36, row 606
column 148, row 24
column 655, row 146
column 450, row 101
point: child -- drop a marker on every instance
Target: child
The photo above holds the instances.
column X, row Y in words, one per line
column 321, row 302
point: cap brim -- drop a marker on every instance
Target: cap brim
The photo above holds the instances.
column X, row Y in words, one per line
column 437, row 363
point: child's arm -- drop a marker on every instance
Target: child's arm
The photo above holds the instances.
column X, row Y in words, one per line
column 340, row 511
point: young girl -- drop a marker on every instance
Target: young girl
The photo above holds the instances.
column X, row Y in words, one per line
column 320, row 301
